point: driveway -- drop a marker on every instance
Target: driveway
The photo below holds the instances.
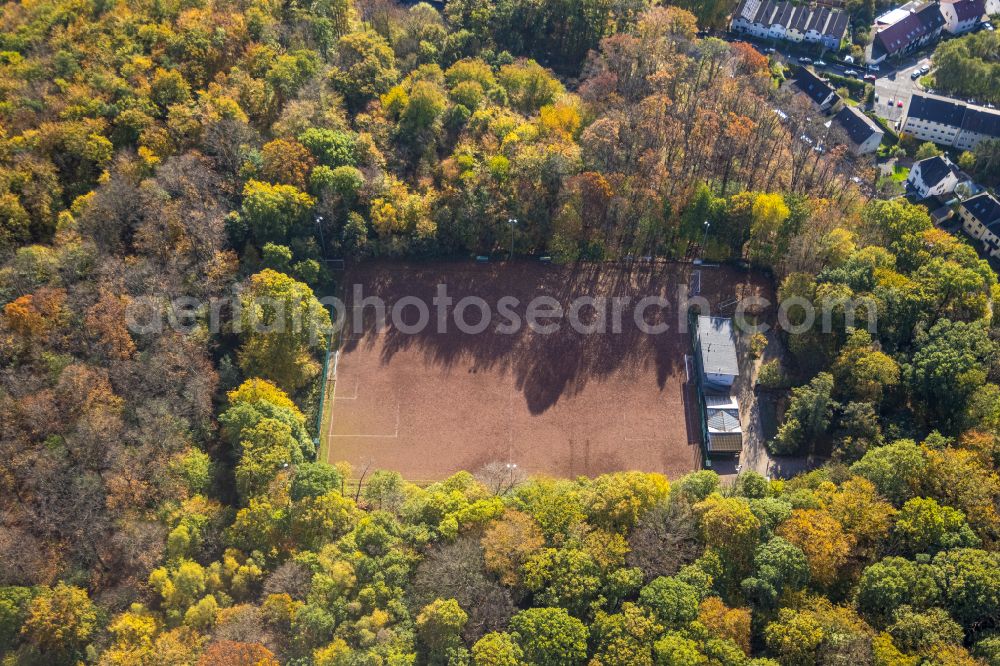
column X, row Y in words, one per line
column 754, row 455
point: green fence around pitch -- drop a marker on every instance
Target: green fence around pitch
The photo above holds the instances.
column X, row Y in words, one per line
column 702, row 418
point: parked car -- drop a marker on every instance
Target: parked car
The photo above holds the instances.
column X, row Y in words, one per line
column 769, row 50
column 805, row 61
column 871, row 78
column 849, row 60
column 819, row 63
column 890, row 102
column 850, row 72
column 899, row 104
column 925, row 69
column 915, row 75
column 873, row 68
column 875, row 97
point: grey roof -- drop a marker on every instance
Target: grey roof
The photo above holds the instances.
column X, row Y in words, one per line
column 984, row 208
column 935, row 169
column 982, row 121
column 941, row 213
column 858, row 127
column 723, row 420
column 955, row 113
column 838, row 25
column 721, row 401
column 717, row 344
column 828, row 22
column 818, row 19
column 817, row 89
column 787, row 11
column 801, row 19
column 937, row 109
column 901, row 34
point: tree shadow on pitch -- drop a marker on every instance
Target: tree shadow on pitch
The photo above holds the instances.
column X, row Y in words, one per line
column 545, row 366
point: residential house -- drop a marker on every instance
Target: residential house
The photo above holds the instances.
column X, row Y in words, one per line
column 933, row 177
column 716, row 344
column 980, row 217
column 961, row 16
column 818, row 90
column 978, row 124
column 827, row 26
column 779, row 19
column 905, row 30
column 950, row 122
column 795, row 31
column 863, row 134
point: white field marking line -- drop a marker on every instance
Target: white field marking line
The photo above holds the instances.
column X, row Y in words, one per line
column 336, row 397
column 394, row 435
column 333, row 393
column 510, row 419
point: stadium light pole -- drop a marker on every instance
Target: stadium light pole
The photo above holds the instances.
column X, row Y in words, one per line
column 322, row 241
column 704, row 241
column 512, row 222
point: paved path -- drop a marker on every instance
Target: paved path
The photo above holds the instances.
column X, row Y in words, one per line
column 754, row 455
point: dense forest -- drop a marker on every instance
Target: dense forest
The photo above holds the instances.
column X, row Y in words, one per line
column 160, row 503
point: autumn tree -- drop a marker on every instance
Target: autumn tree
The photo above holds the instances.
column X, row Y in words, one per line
column 439, row 627
column 365, row 67
column 509, row 543
column 550, row 636
column 823, row 541
column 281, row 323
column 59, row 623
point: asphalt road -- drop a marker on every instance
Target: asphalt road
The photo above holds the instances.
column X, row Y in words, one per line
column 893, row 80
column 897, row 86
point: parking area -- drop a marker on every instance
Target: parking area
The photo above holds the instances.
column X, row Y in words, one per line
column 898, row 85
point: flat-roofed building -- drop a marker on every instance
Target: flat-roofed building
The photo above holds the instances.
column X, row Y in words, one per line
column 716, row 344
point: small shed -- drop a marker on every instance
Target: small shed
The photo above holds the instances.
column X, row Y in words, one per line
column 725, row 433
